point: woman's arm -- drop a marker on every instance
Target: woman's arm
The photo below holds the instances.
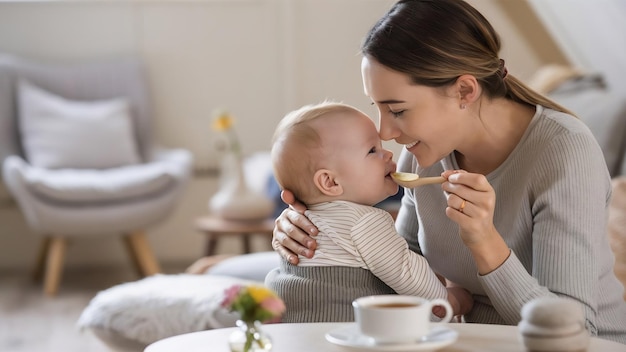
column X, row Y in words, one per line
column 571, row 186
column 559, row 233
column 471, row 204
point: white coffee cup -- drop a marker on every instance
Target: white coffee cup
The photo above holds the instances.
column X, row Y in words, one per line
column 396, row 318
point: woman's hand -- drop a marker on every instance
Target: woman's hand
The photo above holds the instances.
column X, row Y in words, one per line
column 293, row 231
column 471, row 204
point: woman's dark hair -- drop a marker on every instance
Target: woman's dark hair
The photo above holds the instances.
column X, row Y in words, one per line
column 436, row 41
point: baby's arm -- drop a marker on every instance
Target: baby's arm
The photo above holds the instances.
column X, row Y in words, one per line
column 387, row 255
column 460, row 299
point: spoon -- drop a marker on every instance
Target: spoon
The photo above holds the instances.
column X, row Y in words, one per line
column 409, row 180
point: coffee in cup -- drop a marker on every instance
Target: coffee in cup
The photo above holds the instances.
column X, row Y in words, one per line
column 396, row 318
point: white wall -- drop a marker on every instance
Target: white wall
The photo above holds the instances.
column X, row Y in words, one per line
column 601, row 50
column 259, row 58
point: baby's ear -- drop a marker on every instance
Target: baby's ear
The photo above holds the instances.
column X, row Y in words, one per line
column 325, row 181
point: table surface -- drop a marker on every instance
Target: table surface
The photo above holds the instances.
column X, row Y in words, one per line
column 309, row 337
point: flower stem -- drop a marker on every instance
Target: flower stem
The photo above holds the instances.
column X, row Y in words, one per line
column 253, row 336
column 234, row 141
column 249, row 339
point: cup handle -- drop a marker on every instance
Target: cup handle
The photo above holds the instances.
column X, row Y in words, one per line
column 446, row 305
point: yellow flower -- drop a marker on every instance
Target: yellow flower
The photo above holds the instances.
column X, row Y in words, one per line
column 223, row 121
column 260, row 293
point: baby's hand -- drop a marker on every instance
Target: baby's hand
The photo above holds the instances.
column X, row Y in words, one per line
column 460, row 299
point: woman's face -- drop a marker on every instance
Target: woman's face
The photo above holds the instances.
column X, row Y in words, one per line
column 424, row 119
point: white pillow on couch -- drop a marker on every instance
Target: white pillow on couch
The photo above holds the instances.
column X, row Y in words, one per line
column 130, row 316
column 61, row 133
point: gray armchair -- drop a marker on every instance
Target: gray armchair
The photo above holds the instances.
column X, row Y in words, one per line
column 111, row 194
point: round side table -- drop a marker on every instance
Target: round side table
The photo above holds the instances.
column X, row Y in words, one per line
column 214, row 227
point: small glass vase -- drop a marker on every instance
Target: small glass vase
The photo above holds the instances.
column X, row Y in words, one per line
column 249, row 337
column 235, row 200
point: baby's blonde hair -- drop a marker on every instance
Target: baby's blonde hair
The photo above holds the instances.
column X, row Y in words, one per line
column 296, row 147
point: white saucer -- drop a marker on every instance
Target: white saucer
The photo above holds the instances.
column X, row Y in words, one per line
column 349, row 336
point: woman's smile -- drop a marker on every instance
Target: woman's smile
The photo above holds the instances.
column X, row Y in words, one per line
column 411, row 145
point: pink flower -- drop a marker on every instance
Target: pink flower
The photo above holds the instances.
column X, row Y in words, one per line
column 273, row 305
column 230, row 295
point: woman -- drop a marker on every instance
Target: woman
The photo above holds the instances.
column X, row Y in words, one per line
column 523, row 212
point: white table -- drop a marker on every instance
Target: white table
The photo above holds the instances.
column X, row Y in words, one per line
column 310, row 338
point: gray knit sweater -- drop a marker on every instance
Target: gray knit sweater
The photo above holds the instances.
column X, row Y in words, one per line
column 322, row 293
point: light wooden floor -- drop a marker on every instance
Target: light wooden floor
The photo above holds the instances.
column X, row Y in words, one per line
column 32, row 322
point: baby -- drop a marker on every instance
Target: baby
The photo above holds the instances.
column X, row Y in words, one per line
column 331, row 157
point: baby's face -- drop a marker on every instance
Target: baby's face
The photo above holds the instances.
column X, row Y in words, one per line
column 353, row 150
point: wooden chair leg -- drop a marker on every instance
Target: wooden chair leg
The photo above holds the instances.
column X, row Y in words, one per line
column 54, row 266
column 247, row 245
column 141, row 254
column 211, row 245
column 42, row 255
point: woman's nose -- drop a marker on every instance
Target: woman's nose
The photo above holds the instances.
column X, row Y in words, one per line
column 386, row 129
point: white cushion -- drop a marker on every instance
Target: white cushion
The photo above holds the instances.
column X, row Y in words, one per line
column 251, row 266
column 142, row 312
column 115, row 184
column 60, row 133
